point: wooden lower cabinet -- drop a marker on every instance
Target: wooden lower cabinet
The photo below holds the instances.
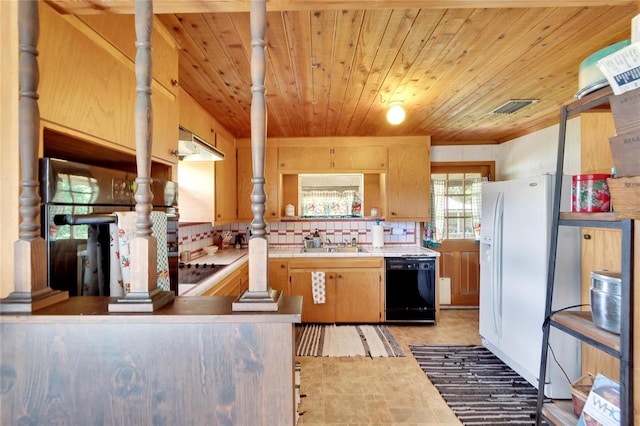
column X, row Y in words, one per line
column 233, row 285
column 353, row 289
column 279, row 275
column 300, row 280
column 358, row 296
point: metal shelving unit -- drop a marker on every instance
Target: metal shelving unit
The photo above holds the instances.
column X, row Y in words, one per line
column 579, row 324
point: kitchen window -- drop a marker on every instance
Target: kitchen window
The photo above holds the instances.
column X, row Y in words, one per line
column 456, row 202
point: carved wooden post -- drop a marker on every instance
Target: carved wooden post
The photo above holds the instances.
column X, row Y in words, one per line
column 259, row 297
column 30, row 271
column 144, row 296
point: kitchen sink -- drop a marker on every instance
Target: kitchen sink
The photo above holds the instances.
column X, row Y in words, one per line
column 333, row 249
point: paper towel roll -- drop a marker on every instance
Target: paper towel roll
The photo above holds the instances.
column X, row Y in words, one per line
column 377, row 232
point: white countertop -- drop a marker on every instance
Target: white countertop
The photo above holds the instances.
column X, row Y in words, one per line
column 387, row 251
column 235, row 258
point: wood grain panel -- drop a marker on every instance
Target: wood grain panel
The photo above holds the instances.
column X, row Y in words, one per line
column 595, row 151
column 600, row 251
column 226, row 191
column 332, row 71
column 197, row 373
column 408, row 183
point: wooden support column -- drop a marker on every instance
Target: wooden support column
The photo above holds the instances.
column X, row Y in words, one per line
column 30, row 272
column 145, row 296
column 259, row 297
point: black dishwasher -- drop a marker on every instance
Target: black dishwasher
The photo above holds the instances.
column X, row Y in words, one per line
column 410, row 289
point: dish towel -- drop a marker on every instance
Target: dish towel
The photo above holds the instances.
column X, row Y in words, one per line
column 318, row 288
column 120, row 236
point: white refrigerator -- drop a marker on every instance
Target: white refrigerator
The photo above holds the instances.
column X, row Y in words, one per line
column 514, row 250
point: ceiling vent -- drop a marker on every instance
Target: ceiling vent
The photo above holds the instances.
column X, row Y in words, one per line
column 513, row 105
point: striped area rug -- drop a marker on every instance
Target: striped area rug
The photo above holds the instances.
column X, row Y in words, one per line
column 346, row 340
column 479, row 387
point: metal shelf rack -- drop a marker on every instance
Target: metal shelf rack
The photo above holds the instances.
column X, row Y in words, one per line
column 579, row 324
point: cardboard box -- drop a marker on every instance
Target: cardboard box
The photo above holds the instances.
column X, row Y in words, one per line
column 625, row 149
column 625, row 197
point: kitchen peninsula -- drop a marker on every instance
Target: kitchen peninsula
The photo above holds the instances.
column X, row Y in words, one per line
column 355, row 278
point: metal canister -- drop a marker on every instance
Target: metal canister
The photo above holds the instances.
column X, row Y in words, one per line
column 606, row 298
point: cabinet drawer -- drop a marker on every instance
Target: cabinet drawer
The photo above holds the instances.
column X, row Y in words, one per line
column 335, row 263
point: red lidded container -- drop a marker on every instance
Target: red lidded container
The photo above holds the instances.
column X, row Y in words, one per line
column 590, row 193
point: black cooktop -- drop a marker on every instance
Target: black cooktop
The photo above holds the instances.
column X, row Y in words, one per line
column 193, row 273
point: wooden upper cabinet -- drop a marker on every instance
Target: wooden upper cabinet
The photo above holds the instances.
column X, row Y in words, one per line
column 333, row 159
column 304, row 159
column 194, row 118
column 245, row 187
column 196, row 180
column 88, row 85
column 226, row 185
column 408, row 179
column 367, row 158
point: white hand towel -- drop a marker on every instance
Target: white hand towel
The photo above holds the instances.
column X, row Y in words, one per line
column 318, row 287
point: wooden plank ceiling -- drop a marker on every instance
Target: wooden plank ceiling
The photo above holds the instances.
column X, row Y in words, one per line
column 334, row 70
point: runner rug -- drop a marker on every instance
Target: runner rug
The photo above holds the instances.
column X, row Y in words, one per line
column 346, row 340
column 478, row 386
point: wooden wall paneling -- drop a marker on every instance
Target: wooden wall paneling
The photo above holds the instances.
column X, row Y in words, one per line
column 366, row 76
column 197, row 70
column 340, row 68
column 301, row 61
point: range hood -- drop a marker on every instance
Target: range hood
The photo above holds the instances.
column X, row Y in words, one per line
column 193, row 148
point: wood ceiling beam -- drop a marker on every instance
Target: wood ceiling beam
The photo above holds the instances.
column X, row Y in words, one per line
column 92, row 7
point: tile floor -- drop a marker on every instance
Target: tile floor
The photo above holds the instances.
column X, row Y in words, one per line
column 383, row 391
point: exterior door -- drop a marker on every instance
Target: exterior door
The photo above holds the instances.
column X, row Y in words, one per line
column 460, row 261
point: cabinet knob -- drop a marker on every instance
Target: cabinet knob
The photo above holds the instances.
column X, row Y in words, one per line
column 282, row 164
column 587, row 236
column 393, row 213
column 282, row 266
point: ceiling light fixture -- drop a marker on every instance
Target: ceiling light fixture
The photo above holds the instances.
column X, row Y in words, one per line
column 396, row 113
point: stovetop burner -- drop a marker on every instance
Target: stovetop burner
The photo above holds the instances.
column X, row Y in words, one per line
column 193, row 273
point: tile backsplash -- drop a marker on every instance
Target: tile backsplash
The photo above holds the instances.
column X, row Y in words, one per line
column 193, row 236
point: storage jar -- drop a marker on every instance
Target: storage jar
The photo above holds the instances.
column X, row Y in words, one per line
column 606, row 299
column 590, row 193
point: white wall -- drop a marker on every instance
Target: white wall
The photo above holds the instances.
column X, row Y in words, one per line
column 530, row 155
column 536, row 154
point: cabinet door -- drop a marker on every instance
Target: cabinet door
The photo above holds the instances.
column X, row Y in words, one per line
column 358, row 296
column 304, row 159
column 196, row 200
column 226, row 190
column 279, row 275
column 245, row 187
column 368, row 158
column 300, row 281
column 408, row 183
column 601, row 249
